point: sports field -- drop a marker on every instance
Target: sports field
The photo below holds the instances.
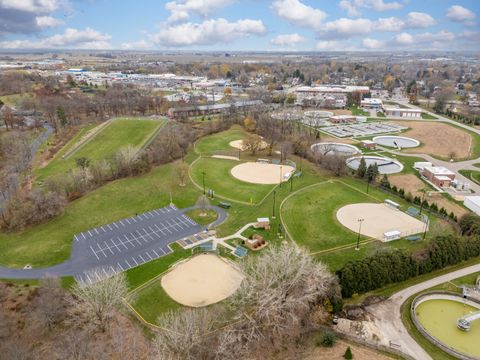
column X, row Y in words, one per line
column 212, row 144
column 116, row 135
column 218, row 177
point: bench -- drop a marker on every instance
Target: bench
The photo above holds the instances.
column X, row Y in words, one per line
column 224, row 204
column 413, row 238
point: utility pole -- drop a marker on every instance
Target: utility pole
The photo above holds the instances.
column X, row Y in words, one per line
column 280, row 175
column 203, row 180
column 273, row 210
column 360, row 221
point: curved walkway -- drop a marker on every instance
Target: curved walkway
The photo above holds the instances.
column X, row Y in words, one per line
column 388, row 316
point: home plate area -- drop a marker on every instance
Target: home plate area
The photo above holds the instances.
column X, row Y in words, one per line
column 130, row 242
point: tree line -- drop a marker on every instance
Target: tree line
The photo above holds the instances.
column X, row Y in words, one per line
column 383, row 268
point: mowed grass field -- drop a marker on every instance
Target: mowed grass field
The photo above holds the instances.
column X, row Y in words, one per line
column 118, row 134
column 219, row 178
column 211, row 144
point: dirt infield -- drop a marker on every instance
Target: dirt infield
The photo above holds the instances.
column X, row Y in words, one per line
column 378, row 219
column 261, row 173
column 238, row 144
column 202, row 280
column 438, row 139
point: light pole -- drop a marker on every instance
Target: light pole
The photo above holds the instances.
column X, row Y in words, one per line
column 280, row 175
column 273, row 210
column 360, row 221
column 426, row 227
column 203, row 180
column 424, row 191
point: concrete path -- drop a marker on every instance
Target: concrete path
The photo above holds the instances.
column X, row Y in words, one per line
column 387, row 314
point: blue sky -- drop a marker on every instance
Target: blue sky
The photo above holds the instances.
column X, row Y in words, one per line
column 294, row 25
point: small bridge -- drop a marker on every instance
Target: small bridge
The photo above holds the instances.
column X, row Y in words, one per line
column 465, row 321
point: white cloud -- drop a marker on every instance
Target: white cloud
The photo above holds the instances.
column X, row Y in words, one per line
column 350, row 7
column 208, row 32
column 419, row 20
column 48, row 21
column 289, row 40
column 389, row 24
column 136, row 45
column 372, row 43
column 437, row 40
column 71, row 38
column 381, row 5
column 36, row 6
column 180, row 9
column 460, row 14
column 345, row 28
column 353, row 6
column 299, row 14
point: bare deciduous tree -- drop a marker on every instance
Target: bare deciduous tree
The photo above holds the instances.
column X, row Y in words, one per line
column 100, row 299
column 181, row 170
column 186, row 335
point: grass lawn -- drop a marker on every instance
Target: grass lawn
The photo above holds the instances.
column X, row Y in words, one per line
column 206, row 218
column 15, row 99
column 50, row 243
column 358, row 112
column 120, row 133
column 219, row 179
column 471, row 174
column 211, row 144
column 427, row 116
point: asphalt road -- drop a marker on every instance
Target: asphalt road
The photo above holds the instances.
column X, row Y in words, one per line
column 388, row 319
column 121, row 245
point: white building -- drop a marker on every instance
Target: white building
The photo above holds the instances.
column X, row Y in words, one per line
column 371, row 103
column 473, row 203
column 404, row 113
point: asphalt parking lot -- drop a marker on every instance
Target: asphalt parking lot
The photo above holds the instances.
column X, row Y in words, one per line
column 129, row 242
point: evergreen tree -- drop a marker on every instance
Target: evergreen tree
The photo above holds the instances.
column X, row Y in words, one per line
column 362, row 168
column 348, row 354
column 385, row 183
column 61, row 115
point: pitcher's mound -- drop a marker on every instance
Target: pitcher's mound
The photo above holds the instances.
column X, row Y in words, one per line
column 262, row 173
column 202, row 280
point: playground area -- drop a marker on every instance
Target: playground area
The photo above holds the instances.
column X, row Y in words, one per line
column 398, row 142
column 262, row 172
column 376, row 220
column 202, row 280
column 385, row 165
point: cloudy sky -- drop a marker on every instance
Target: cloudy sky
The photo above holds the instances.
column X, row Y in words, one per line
column 327, row 25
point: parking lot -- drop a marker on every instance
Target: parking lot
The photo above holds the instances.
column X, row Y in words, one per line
column 129, row 242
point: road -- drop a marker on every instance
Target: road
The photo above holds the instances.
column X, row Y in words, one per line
column 387, row 314
column 453, row 166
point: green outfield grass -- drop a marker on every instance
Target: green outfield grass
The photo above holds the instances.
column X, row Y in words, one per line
column 219, row 178
column 120, row 133
column 211, row 144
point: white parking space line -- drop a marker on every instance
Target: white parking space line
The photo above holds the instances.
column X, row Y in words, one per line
column 89, row 233
column 122, row 243
column 134, row 220
column 159, row 229
column 114, row 244
column 120, row 266
column 75, row 237
column 122, row 223
column 94, row 253
column 141, row 258
column 156, row 254
column 109, row 227
column 149, row 255
column 96, row 231
column 135, row 238
column 128, row 221
column 130, row 266
column 116, row 225
column 83, row 236
column 108, row 247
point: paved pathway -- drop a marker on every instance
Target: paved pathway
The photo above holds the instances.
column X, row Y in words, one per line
column 121, row 245
column 387, row 314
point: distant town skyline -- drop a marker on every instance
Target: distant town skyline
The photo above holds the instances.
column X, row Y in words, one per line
column 277, row 25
